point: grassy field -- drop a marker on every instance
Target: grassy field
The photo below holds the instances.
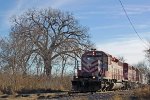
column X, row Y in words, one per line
column 11, row 84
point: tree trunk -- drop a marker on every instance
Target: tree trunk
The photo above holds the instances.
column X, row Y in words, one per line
column 62, row 71
column 47, row 67
column 63, row 68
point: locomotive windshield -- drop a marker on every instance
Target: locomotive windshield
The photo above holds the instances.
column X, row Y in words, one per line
column 91, row 59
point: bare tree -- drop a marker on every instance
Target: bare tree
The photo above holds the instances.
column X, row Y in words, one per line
column 11, row 55
column 64, row 62
column 6, row 55
column 121, row 58
column 142, row 66
column 49, row 33
column 147, row 54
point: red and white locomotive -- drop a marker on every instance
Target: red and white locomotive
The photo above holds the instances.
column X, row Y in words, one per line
column 101, row 71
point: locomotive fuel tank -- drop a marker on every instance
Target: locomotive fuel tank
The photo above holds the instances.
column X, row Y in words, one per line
column 117, row 86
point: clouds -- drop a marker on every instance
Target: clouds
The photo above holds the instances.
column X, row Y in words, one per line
column 18, row 7
column 117, row 9
column 137, row 9
column 131, row 49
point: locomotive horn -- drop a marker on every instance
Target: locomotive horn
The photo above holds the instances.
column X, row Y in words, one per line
column 93, row 49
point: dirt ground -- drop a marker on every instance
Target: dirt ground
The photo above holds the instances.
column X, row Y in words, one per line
column 110, row 95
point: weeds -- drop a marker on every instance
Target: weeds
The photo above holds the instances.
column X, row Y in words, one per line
column 10, row 84
column 117, row 97
column 143, row 92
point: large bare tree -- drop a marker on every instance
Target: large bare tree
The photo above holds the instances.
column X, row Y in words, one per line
column 49, row 33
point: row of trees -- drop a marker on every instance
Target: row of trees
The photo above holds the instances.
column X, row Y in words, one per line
column 42, row 39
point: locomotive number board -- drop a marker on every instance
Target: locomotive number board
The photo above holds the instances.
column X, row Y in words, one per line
column 95, row 54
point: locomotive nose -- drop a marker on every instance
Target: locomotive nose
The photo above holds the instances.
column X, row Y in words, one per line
column 86, row 74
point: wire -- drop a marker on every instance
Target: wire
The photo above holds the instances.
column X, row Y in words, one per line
column 132, row 23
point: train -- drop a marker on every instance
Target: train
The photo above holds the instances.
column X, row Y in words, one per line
column 100, row 71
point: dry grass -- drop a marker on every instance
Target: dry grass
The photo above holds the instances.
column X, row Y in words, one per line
column 117, row 97
column 10, row 84
column 58, row 83
column 143, row 92
column 80, row 98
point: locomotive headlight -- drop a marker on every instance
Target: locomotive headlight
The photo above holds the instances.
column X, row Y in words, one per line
column 93, row 77
column 76, row 76
column 94, row 53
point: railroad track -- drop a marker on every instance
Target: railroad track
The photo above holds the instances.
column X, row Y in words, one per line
column 64, row 96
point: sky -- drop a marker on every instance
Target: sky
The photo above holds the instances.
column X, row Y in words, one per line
column 108, row 26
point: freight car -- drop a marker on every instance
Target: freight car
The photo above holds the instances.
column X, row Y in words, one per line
column 102, row 71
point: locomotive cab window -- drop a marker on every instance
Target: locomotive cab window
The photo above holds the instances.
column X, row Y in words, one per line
column 91, row 58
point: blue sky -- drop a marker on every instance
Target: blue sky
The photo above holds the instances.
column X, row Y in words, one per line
column 107, row 23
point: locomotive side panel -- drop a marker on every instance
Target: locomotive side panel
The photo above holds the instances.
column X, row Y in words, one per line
column 130, row 73
column 137, row 75
column 115, row 69
column 125, row 71
column 133, row 74
column 140, row 77
column 108, row 73
column 120, row 64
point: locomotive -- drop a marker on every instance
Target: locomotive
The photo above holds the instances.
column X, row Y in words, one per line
column 100, row 71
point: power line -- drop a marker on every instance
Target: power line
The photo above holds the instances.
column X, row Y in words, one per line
column 131, row 22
